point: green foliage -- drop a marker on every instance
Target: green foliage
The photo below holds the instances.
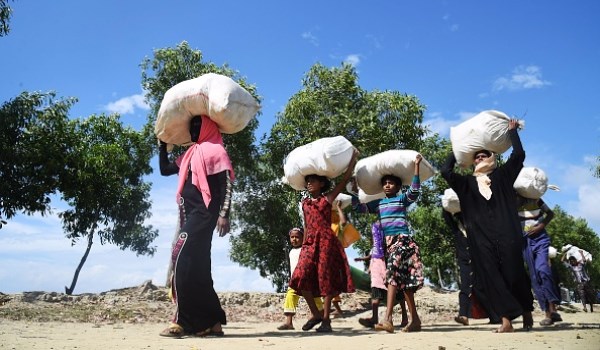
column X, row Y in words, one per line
column 34, row 143
column 96, row 164
column 5, row 14
column 565, row 229
column 436, row 244
column 170, row 66
column 103, row 184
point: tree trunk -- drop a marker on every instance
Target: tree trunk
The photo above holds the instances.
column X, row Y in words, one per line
column 69, row 290
column 440, row 277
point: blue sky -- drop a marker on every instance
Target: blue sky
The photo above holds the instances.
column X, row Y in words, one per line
column 536, row 60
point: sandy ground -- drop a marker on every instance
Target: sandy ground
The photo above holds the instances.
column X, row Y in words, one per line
column 578, row 331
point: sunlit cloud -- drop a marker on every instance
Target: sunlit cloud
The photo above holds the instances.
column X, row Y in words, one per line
column 521, row 78
column 311, row 38
column 127, row 105
column 353, row 60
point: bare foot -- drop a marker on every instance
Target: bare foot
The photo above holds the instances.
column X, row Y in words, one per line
column 413, row 326
column 505, row 329
column 403, row 323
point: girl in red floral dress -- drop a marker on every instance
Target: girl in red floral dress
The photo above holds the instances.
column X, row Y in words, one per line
column 322, row 267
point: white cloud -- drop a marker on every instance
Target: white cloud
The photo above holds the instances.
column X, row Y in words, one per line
column 454, row 28
column 521, row 78
column 127, row 105
column 353, row 60
column 311, row 38
column 438, row 124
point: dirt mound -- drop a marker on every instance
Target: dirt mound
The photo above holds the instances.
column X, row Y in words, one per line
column 149, row 303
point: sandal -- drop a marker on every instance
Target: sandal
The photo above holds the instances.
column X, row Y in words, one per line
column 173, row 331
column 367, row 322
column 546, row 322
column 311, row 323
column 462, row 320
column 555, row 316
column 285, row 327
column 385, row 326
column 325, row 327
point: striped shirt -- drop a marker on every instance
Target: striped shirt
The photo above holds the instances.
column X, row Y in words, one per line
column 392, row 211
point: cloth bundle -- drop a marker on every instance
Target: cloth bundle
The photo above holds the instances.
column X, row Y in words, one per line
column 400, row 163
column 487, row 130
column 572, row 250
column 327, row 157
column 219, row 97
column 450, row 201
column 531, row 183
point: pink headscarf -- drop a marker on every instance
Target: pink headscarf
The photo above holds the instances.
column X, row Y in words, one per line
column 206, row 157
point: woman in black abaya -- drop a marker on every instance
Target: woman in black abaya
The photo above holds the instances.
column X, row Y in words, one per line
column 489, row 208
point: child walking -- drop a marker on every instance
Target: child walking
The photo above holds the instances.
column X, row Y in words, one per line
column 323, row 267
column 378, row 272
column 291, row 297
column 403, row 263
column 581, row 278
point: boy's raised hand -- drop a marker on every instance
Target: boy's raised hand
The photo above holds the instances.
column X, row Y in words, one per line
column 418, row 159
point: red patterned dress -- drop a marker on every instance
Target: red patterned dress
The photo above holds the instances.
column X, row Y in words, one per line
column 322, row 267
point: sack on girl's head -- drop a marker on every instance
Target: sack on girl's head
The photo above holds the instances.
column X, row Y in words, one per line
column 450, row 201
column 487, row 130
column 219, row 97
column 400, row 163
column 327, row 157
column 531, row 183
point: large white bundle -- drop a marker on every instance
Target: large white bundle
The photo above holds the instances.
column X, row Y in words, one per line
column 366, row 198
column 343, row 198
column 400, row 163
column 487, row 130
column 228, row 104
column 450, row 201
column 572, row 250
column 531, row 183
column 327, row 157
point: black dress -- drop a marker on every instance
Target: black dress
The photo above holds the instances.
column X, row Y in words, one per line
column 494, row 233
column 198, row 306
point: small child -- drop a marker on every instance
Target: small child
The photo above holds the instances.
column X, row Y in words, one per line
column 582, row 279
column 291, row 297
column 377, row 271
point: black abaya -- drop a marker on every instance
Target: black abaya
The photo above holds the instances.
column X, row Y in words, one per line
column 494, row 234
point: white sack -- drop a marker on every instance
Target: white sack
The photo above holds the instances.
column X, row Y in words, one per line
column 450, row 201
column 366, row 198
column 531, row 183
column 552, row 252
column 327, row 157
column 219, row 97
column 400, row 163
column 572, row 250
column 345, row 199
column 487, row 130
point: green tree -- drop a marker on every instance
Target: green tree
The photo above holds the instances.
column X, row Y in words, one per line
column 565, row 229
column 436, row 245
column 103, row 183
column 5, row 14
column 96, row 165
column 329, row 103
column 34, row 147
